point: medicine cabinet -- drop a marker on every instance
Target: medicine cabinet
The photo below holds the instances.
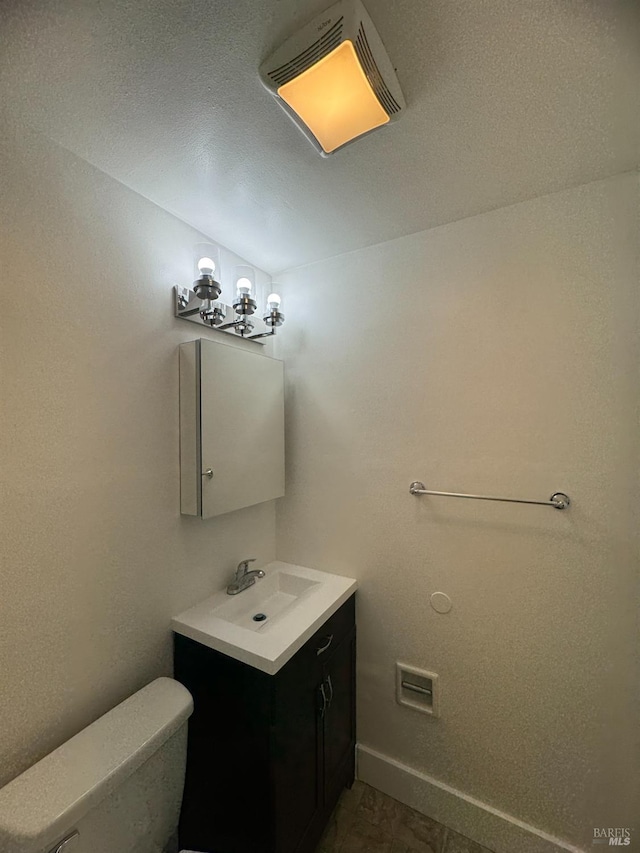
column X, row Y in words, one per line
column 231, row 428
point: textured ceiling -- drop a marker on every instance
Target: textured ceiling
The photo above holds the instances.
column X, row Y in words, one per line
column 507, row 99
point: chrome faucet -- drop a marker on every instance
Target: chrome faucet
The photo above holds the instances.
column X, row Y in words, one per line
column 244, row 578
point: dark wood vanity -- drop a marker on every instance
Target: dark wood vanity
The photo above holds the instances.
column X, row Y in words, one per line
column 268, row 755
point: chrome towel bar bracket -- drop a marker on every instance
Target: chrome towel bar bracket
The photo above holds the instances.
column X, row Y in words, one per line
column 558, row 500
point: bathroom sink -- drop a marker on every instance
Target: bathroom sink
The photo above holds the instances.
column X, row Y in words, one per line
column 267, row 623
column 269, row 598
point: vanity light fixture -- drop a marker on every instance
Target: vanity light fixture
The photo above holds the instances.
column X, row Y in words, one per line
column 244, row 304
column 206, row 287
column 274, row 316
column 334, row 78
column 208, row 290
column 201, row 303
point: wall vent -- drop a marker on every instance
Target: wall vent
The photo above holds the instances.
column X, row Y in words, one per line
column 320, row 48
column 374, row 76
column 418, row 689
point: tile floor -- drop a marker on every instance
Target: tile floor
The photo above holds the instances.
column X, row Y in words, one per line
column 367, row 821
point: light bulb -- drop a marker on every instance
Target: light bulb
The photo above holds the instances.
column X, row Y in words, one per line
column 207, row 266
column 273, row 302
column 244, row 286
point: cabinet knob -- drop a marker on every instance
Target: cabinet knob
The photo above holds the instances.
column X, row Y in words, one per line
column 208, row 474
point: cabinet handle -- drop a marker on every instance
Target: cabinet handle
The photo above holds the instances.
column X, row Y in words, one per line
column 330, row 699
column 208, row 474
column 62, row 846
column 324, row 701
column 324, row 648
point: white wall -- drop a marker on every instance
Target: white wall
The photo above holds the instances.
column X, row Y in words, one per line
column 497, row 355
column 95, row 556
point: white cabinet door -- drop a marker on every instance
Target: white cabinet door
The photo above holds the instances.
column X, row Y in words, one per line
column 232, row 424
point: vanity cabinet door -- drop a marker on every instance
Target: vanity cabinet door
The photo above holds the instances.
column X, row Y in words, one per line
column 227, row 803
column 339, row 724
column 296, row 755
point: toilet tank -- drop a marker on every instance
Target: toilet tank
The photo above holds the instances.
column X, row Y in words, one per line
column 117, row 784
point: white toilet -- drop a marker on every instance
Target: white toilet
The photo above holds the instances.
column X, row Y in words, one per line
column 116, row 787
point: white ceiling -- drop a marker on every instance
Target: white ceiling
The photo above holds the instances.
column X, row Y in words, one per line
column 507, row 99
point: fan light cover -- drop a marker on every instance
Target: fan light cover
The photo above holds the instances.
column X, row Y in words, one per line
column 334, row 78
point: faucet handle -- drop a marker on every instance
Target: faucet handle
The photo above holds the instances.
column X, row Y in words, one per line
column 243, row 567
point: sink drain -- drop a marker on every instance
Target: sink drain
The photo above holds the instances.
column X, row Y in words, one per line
column 259, row 617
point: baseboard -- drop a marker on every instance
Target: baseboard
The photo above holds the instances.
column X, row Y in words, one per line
column 494, row 829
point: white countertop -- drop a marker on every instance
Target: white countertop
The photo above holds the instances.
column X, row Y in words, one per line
column 269, row 645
